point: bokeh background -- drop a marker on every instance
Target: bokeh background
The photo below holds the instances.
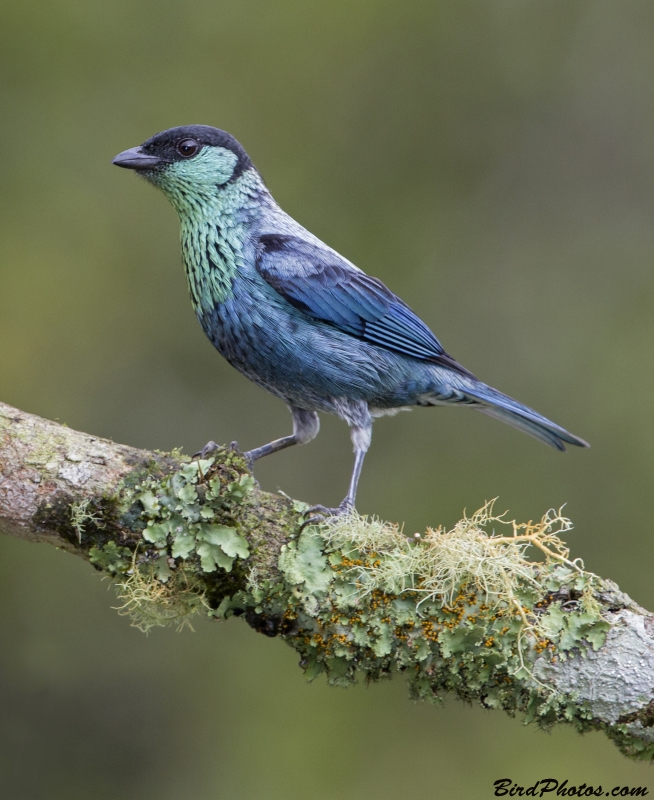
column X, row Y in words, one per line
column 493, row 163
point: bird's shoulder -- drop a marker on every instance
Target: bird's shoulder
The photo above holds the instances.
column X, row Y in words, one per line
column 286, row 261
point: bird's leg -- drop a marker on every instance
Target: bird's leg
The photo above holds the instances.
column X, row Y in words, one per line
column 361, row 436
column 272, row 447
column 348, row 502
column 306, row 425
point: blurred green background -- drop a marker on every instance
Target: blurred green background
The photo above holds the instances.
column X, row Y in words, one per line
column 493, row 163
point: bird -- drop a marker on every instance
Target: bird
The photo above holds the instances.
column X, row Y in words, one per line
column 295, row 316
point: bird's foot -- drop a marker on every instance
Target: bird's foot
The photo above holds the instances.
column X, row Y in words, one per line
column 208, row 450
column 321, row 514
column 249, row 460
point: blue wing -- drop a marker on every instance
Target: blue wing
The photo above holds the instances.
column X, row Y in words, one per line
column 328, row 289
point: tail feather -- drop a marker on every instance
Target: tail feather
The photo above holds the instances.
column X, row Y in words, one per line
column 508, row 410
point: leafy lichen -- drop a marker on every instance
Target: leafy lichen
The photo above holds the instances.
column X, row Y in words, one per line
column 188, row 537
column 111, row 558
column 464, row 611
column 457, row 611
column 185, row 516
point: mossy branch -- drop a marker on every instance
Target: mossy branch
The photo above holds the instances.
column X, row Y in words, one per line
column 464, row 611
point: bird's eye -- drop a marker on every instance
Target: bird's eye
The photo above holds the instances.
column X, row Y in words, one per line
column 187, row 148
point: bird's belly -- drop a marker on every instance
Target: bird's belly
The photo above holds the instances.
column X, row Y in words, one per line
column 288, row 357
column 310, row 364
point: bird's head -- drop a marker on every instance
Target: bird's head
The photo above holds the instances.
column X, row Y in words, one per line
column 189, row 163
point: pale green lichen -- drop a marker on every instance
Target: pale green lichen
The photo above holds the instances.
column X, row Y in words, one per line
column 183, row 513
column 151, row 603
column 464, row 611
column 190, row 530
column 436, row 564
column 80, row 516
column 304, row 563
column 111, row 558
column 460, row 610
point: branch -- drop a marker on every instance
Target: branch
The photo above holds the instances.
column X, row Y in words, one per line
column 462, row 611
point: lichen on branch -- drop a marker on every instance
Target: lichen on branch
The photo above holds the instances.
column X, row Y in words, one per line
column 466, row 611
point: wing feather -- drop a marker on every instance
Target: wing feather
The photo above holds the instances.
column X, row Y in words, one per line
column 326, row 288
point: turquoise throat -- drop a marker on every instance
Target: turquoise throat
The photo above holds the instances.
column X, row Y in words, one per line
column 214, row 229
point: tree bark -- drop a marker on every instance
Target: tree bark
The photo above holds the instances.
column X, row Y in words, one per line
column 457, row 612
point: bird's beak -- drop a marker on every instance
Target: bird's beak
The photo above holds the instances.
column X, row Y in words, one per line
column 135, row 158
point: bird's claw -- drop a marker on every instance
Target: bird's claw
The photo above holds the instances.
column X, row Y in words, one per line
column 208, row 450
column 317, row 514
column 249, row 461
column 247, row 456
column 321, row 514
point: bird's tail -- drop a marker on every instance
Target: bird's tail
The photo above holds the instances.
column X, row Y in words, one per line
column 505, row 408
